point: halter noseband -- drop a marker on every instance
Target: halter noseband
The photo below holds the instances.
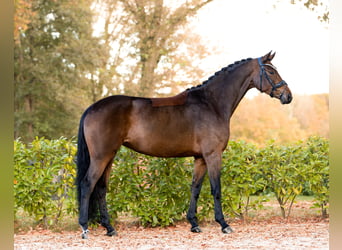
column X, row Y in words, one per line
column 263, row 72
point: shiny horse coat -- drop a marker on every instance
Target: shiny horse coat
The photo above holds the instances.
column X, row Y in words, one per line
column 193, row 123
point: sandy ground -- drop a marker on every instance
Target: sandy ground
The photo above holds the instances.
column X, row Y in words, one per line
column 273, row 234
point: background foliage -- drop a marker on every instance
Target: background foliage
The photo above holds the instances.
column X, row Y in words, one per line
column 261, row 119
column 157, row 190
column 44, row 173
column 54, row 51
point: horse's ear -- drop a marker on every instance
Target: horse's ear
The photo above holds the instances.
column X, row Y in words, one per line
column 271, row 56
column 268, row 57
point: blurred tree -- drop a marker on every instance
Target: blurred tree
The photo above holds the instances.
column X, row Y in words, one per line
column 54, row 55
column 261, row 119
column 147, row 37
column 22, row 17
column 320, row 6
column 156, row 27
column 114, row 36
column 312, row 113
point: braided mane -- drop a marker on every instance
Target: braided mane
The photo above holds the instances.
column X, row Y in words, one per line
column 230, row 68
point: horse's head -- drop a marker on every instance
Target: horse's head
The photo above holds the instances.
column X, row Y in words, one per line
column 269, row 81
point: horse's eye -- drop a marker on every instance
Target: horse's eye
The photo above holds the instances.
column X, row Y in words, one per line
column 272, row 72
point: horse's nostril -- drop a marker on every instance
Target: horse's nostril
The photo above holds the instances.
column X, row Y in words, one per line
column 289, row 98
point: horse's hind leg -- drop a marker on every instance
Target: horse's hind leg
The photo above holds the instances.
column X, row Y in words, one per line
column 89, row 200
column 101, row 187
column 197, row 180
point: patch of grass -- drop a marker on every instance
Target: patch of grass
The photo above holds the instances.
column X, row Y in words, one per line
column 302, row 208
column 24, row 223
column 304, row 198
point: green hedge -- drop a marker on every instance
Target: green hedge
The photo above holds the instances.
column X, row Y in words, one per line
column 157, row 190
column 294, row 169
column 44, row 173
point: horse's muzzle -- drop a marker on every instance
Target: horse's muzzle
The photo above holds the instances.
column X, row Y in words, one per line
column 286, row 98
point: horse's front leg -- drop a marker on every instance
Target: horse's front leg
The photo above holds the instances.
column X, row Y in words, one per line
column 214, row 171
column 197, row 179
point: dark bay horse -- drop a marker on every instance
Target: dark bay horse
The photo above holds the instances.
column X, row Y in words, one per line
column 192, row 123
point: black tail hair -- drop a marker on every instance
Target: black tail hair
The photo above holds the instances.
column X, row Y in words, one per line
column 83, row 162
column 82, row 158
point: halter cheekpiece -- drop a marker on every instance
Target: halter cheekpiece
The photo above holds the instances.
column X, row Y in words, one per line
column 263, row 72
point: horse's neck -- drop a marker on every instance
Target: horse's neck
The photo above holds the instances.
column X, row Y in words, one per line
column 244, row 86
column 227, row 95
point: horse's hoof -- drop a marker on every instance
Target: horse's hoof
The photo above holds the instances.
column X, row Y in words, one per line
column 227, row 230
column 112, row 233
column 196, row 229
column 85, row 234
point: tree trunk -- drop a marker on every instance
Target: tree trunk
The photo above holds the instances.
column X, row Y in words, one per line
column 149, row 64
column 324, row 210
column 28, row 107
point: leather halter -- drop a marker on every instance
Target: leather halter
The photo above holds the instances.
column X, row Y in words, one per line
column 263, row 72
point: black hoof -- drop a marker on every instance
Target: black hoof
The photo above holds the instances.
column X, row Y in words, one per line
column 112, row 233
column 196, row 229
column 227, row 230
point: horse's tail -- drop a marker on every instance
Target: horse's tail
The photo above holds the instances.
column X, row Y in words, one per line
column 82, row 158
column 83, row 163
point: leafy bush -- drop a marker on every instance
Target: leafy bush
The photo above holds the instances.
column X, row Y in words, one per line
column 157, row 190
column 44, row 174
column 284, row 172
column 316, row 157
column 288, row 169
column 241, row 178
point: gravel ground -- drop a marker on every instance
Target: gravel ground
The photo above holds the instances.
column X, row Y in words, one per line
column 272, row 234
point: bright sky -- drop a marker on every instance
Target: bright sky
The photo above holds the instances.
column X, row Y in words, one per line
column 249, row 28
